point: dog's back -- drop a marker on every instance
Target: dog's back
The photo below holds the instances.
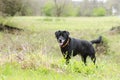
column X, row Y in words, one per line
column 81, row 47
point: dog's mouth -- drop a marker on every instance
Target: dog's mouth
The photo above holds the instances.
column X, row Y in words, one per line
column 61, row 42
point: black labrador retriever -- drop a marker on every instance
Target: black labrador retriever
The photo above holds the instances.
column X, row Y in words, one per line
column 71, row 46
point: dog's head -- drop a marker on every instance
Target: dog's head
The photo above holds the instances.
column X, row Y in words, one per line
column 62, row 36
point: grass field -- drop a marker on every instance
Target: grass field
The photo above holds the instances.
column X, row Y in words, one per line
column 34, row 54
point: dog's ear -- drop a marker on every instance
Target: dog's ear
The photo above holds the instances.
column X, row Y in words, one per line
column 66, row 32
column 57, row 32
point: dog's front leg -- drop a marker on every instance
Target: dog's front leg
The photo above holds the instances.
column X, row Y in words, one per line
column 68, row 57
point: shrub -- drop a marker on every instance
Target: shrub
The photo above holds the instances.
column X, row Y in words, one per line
column 48, row 9
column 99, row 11
column 103, row 48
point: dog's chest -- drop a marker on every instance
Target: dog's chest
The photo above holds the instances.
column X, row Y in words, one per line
column 64, row 50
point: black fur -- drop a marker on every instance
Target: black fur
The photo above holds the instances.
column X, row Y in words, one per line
column 77, row 47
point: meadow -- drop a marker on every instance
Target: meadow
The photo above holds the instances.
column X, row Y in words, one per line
column 34, row 54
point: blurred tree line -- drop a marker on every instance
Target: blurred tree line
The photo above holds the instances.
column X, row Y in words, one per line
column 59, row 8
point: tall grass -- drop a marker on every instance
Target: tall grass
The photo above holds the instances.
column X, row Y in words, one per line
column 34, row 53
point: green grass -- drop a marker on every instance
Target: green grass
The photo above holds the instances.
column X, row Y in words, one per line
column 34, row 53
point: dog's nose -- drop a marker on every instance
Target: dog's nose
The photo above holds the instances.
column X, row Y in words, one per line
column 60, row 40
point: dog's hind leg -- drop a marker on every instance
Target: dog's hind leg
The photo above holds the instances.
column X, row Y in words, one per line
column 93, row 58
column 84, row 59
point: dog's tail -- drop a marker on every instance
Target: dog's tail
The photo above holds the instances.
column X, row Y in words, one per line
column 97, row 41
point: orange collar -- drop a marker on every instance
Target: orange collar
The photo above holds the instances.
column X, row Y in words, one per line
column 65, row 43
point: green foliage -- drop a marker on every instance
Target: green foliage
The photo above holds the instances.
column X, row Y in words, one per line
column 79, row 67
column 48, row 9
column 100, row 11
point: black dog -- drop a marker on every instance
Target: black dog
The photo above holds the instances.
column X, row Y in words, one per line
column 72, row 47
